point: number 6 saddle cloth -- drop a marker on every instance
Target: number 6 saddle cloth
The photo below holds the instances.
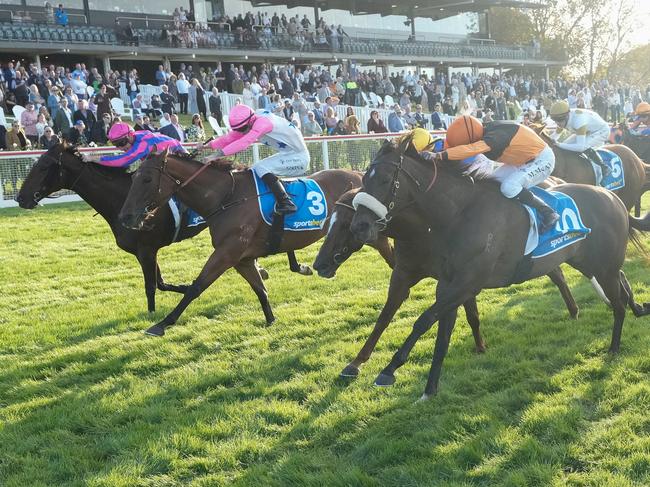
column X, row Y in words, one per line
column 306, row 194
column 568, row 230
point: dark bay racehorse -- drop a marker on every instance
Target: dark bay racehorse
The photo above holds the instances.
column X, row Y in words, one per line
column 229, row 200
column 572, row 168
column 484, row 236
column 640, row 144
column 418, row 255
column 105, row 190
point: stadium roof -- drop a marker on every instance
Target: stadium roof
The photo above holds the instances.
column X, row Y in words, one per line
column 433, row 9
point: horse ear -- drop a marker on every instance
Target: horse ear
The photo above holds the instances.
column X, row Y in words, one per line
column 165, row 153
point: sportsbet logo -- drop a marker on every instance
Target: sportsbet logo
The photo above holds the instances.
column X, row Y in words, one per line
column 308, row 223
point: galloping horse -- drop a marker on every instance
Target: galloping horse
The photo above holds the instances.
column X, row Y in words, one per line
column 640, row 144
column 228, row 200
column 418, row 255
column 105, row 190
column 573, row 168
column 484, row 236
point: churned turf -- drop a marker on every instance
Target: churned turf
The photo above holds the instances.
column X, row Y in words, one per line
column 87, row 400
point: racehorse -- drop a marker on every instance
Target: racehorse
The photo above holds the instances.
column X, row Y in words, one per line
column 640, row 144
column 105, row 190
column 227, row 198
column 484, row 236
column 418, row 255
column 573, row 168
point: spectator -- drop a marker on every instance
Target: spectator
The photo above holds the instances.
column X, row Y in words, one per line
column 311, row 127
column 409, row 117
column 49, row 139
column 395, row 121
column 287, row 110
column 77, row 134
column 215, row 106
column 161, row 77
column 165, row 120
column 339, row 128
column 49, row 13
column 86, row 116
column 331, row 120
column 63, row 119
column 420, row 117
column 376, row 124
column 41, row 125
column 61, row 16
column 183, row 87
column 200, row 98
column 132, row 84
column 167, row 100
column 319, row 117
column 15, row 139
column 352, row 125
column 173, row 129
column 28, row 120
column 263, row 101
column 139, row 123
column 99, row 134
column 195, row 132
column 146, row 124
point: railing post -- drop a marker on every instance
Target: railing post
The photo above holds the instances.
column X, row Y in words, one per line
column 326, row 155
column 256, row 153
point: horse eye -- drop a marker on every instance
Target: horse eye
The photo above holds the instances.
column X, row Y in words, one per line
column 146, row 180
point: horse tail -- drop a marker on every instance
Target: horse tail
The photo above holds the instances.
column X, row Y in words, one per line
column 637, row 226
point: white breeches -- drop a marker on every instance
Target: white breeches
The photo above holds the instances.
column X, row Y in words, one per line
column 515, row 178
column 284, row 164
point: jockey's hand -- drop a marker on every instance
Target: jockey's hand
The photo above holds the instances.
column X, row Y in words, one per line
column 218, row 154
column 431, row 156
column 86, row 157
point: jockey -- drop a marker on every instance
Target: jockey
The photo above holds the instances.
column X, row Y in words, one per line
column 527, row 160
column 249, row 127
column 136, row 145
column 641, row 123
column 588, row 131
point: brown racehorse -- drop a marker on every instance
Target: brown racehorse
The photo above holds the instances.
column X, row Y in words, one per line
column 640, row 144
column 572, row 168
column 228, row 199
column 484, row 236
column 418, row 255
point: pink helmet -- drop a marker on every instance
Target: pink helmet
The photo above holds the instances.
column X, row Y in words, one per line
column 119, row 130
column 240, row 116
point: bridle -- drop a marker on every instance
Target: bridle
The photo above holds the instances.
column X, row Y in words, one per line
column 59, row 162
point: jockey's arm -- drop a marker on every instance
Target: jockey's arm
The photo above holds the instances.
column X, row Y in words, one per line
column 238, row 142
column 576, row 142
column 138, row 150
column 463, row 152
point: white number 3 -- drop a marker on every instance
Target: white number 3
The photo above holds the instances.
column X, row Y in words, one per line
column 317, row 207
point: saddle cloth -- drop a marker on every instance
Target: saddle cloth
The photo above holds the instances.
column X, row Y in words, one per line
column 568, row 230
column 183, row 216
column 306, row 194
column 616, row 178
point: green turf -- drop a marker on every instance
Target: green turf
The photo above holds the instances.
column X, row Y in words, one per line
column 87, row 400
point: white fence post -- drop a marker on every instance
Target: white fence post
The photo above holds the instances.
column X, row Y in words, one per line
column 256, row 153
column 326, row 155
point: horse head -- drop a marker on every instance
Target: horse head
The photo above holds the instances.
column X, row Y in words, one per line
column 151, row 187
column 387, row 181
column 339, row 242
column 54, row 170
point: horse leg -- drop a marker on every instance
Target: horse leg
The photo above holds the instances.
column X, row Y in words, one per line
column 147, row 259
column 617, row 295
column 445, row 328
column 471, row 313
column 448, row 298
column 637, row 208
column 264, row 274
column 557, row 276
column 637, row 309
column 219, row 262
column 163, row 286
column 249, row 271
column 385, row 249
column 398, row 291
column 294, row 266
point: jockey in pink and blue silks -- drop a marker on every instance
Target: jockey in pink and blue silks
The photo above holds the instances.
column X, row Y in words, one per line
column 249, row 127
column 136, row 145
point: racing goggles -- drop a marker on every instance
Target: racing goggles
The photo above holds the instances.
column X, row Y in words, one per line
column 121, row 142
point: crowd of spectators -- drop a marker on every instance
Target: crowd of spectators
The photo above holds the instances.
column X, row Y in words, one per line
column 74, row 103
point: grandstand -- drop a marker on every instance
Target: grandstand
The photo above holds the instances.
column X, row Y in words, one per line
column 94, row 33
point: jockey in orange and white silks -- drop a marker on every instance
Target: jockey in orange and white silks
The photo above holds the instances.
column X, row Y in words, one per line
column 249, row 127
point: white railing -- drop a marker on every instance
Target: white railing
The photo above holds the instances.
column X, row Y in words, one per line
column 331, row 152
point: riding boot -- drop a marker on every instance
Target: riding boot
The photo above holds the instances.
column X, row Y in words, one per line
column 594, row 156
column 283, row 204
column 548, row 215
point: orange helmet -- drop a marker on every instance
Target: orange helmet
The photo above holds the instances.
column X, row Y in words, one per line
column 642, row 108
column 464, row 130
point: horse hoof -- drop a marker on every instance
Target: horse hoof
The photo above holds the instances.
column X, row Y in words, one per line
column 270, row 322
column 481, row 348
column 264, row 274
column 613, row 350
column 384, row 380
column 305, row 270
column 350, row 370
column 423, row 398
column 155, row 331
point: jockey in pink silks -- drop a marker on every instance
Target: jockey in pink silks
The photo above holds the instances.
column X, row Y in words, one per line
column 249, row 127
column 136, row 145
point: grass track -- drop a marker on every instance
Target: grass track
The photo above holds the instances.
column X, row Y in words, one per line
column 87, row 400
